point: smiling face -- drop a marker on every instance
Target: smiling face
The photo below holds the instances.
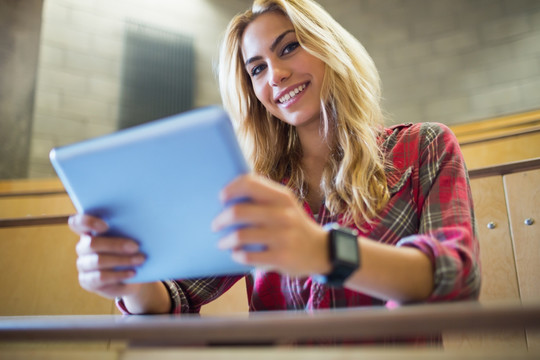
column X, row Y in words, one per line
column 286, row 78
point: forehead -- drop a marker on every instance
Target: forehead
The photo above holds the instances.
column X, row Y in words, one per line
column 262, row 31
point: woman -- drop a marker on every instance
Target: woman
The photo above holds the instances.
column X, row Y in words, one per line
column 304, row 96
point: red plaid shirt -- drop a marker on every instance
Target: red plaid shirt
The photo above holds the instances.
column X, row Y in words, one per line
column 430, row 209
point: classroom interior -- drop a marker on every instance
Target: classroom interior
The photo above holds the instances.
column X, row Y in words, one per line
column 71, row 70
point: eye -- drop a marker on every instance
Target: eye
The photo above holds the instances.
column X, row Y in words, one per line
column 257, row 69
column 290, row 47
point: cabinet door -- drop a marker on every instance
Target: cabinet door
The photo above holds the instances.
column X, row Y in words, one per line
column 523, row 197
column 499, row 280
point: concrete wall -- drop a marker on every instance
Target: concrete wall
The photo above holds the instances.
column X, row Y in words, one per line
column 450, row 61
column 20, row 24
column 79, row 82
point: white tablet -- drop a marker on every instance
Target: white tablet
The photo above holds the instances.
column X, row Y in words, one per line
column 158, row 183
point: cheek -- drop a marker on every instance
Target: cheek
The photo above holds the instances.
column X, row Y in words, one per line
column 262, row 93
column 319, row 70
column 265, row 96
column 316, row 67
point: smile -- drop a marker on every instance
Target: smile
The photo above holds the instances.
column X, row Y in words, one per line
column 291, row 94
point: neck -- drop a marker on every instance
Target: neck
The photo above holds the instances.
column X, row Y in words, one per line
column 315, row 150
column 315, row 147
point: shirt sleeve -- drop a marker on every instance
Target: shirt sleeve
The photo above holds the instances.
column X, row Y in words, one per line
column 447, row 229
column 188, row 296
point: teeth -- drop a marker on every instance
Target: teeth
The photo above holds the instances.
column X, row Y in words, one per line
column 292, row 94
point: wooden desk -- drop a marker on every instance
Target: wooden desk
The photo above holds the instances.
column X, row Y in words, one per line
column 264, row 353
column 263, row 335
column 274, row 327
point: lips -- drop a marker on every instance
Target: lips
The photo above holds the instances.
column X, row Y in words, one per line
column 290, row 93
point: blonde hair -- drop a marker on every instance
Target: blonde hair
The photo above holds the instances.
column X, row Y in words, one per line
column 354, row 181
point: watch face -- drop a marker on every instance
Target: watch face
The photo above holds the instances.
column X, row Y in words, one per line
column 346, row 249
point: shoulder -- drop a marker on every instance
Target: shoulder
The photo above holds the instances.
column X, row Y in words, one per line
column 427, row 130
column 420, row 135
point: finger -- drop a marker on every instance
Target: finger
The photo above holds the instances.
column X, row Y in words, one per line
column 95, row 262
column 257, row 189
column 108, row 245
column 271, row 260
column 252, row 238
column 94, row 280
column 259, row 259
column 252, row 214
column 86, row 224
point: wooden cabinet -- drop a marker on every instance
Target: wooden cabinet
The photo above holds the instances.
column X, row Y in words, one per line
column 510, row 248
column 507, row 217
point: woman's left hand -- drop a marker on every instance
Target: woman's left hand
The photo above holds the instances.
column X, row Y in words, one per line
column 273, row 219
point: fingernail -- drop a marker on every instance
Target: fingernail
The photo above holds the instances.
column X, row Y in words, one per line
column 100, row 226
column 137, row 260
column 131, row 246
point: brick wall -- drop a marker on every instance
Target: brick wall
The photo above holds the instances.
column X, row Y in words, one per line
column 450, row 61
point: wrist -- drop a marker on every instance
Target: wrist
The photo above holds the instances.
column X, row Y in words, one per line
column 147, row 298
column 324, row 263
column 343, row 255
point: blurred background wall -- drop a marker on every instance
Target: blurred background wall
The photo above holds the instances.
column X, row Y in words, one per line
column 451, row 61
column 20, row 26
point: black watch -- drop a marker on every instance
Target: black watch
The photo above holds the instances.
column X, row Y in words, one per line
column 344, row 255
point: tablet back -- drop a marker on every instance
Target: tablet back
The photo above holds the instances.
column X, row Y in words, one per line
column 158, row 183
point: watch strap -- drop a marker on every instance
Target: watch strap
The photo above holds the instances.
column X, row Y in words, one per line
column 341, row 268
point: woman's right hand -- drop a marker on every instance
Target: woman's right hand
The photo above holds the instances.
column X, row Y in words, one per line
column 104, row 263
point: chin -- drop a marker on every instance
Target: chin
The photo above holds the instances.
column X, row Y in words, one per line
column 304, row 119
column 298, row 118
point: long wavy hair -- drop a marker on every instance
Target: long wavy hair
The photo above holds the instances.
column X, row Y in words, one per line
column 354, row 182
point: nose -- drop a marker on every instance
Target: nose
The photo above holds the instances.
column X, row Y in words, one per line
column 278, row 74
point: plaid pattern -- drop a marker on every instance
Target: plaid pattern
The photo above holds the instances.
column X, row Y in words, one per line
column 430, row 209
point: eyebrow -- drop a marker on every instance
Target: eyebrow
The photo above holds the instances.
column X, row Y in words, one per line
column 273, row 46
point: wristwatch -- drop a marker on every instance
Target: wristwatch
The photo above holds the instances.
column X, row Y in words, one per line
column 344, row 255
